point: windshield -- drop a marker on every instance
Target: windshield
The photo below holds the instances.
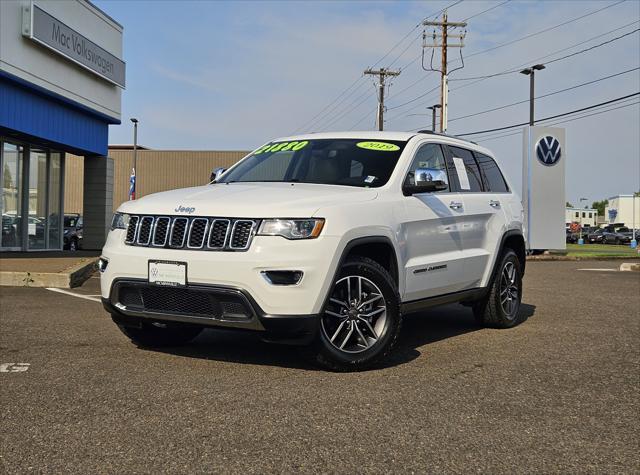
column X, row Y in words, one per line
column 70, row 221
column 348, row 162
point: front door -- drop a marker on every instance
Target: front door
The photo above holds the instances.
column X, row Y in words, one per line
column 432, row 232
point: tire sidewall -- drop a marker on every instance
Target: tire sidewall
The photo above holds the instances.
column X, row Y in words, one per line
column 508, row 256
column 390, row 293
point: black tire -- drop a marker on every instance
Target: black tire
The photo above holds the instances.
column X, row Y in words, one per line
column 73, row 244
column 490, row 311
column 370, row 342
column 160, row 334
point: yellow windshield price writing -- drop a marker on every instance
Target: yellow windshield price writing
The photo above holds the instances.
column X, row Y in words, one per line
column 378, row 146
column 282, row 147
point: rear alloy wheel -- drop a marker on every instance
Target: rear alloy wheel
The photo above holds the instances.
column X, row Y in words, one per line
column 500, row 308
column 361, row 320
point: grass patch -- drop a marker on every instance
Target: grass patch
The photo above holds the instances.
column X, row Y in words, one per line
column 601, row 250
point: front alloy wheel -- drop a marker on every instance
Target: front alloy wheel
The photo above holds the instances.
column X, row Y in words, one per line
column 356, row 315
column 361, row 319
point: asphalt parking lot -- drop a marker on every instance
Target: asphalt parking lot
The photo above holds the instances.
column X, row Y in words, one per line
column 559, row 393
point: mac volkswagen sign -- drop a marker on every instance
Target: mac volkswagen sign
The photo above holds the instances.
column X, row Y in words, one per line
column 41, row 27
column 548, row 150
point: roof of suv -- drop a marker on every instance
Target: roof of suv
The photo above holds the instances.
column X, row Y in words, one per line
column 380, row 135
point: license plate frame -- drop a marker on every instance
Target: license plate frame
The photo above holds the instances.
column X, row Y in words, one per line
column 167, row 273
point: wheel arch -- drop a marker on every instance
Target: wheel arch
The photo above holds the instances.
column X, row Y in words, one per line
column 377, row 248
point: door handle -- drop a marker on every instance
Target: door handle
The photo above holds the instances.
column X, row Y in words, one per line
column 455, row 205
column 494, row 204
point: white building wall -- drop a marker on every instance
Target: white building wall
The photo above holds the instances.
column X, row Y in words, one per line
column 38, row 65
column 623, row 205
column 588, row 217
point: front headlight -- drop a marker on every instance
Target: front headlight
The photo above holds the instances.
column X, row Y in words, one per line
column 119, row 221
column 292, row 228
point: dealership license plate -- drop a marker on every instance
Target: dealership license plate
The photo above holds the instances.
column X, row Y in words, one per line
column 173, row 274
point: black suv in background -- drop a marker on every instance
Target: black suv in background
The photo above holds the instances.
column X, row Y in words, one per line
column 595, row 237
column 621, row 235
column 72, row 232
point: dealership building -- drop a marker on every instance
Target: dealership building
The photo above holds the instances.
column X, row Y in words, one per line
column 61, row 81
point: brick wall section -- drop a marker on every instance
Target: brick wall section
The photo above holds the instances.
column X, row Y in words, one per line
column 158, row 170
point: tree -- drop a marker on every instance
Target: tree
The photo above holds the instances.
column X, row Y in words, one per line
column 600, row 206
column 568, row 205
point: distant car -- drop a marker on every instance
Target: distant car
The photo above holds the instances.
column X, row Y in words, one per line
column 72, row 232
column 572, row 238
column 621, row 235
column 595, row 237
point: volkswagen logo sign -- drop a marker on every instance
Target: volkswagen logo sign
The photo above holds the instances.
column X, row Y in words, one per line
column 548, row 150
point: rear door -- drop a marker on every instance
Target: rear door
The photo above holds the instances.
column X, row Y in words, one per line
column 431, row 232
column 483, row 210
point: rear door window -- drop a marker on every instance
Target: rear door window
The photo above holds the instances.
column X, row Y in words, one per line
column 491, row 175
column 467, row 170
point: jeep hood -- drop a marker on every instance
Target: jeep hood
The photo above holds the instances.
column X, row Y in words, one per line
column 248, row 200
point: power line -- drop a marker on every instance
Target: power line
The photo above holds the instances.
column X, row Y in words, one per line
column 324, row 112
column 487, row 10
column 618, row 99
column 361, row 99
column 511, row 134
column 545, row 30
column 545, row 95
column 544, row 121
column 517, row 70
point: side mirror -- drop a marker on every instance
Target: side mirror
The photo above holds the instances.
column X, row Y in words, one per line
column 216, row 173
column 425, row 180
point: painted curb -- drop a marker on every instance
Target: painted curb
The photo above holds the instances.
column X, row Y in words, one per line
column 629, row 267
column 73, row 276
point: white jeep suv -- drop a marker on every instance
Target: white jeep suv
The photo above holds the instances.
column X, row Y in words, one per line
column 324, row 240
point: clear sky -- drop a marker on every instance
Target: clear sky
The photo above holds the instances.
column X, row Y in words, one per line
column 232, row 75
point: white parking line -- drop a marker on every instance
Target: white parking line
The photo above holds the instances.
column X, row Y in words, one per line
column 601, row 270
column 14, row 367
column 73, row 294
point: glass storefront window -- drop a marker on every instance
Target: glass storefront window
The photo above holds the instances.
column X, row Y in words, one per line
column 55, row 186
column 32, row 181
column 11, row 172
column 37, row 199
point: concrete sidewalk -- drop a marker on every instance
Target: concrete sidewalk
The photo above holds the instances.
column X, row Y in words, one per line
column 47, row 269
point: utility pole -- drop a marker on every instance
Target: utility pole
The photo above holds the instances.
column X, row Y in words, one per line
column 433, row 115
column 531, row 72
column 444, row 26
column 382, row 73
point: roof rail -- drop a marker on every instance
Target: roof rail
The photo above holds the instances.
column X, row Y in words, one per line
column 431, row 132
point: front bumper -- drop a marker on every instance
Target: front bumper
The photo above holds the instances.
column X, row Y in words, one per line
column 133, row 301
column 272, row 308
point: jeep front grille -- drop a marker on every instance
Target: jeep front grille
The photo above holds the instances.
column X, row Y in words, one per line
column 181, row 232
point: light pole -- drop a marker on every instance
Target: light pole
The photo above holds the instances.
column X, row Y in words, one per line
column 580, row 240
column 531, row 72
column 133, row 178
column 634, row 242
column 433, row 115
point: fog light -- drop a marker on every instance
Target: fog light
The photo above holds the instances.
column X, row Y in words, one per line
column 282, row 277
column 102, row 264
